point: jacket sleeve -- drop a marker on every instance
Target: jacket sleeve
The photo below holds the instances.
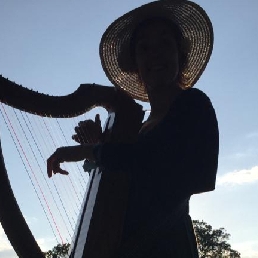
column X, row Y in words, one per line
column 182, row 150
column 193, row 145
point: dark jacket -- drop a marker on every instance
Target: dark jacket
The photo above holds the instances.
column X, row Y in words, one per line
column 177, row 158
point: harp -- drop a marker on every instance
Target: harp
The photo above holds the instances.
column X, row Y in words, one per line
column 99, row 228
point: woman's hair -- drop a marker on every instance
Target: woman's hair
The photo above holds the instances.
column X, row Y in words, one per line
column 183, row 47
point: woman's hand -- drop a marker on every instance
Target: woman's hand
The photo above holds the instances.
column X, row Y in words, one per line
column 68, row 154
column 88, row 131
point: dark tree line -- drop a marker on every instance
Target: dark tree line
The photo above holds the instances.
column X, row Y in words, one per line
column 58, row 251
column 213, row 243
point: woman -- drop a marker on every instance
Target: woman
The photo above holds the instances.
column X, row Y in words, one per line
column 156, row 53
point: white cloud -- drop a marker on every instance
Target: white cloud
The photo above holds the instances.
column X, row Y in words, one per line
column 248, row 249
column 8, row 254
column 4, row 243
column 46, row 243
column 6, row 250
column 239, row 177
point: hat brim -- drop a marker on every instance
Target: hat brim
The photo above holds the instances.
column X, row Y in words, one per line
column 190, row 18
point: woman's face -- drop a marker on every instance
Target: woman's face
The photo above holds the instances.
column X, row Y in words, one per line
column 156, row 55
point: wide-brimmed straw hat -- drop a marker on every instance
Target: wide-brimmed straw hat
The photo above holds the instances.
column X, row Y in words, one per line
column 115, row 49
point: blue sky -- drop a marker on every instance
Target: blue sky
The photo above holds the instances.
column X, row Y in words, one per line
column 52, row 47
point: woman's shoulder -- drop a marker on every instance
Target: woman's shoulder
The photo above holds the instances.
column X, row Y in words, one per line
column 194, row 98
column 192, row 103
column 195, row 94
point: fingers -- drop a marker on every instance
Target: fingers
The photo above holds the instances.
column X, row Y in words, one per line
column 82, row 131
column 97, row 120
column 76, row 138
column 67, row 154
column 81, row 135
column 89, row 122
column 88, row 131
column 53, row 164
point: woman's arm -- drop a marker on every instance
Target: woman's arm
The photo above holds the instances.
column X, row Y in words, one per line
column 68, row 154
column 182, row 149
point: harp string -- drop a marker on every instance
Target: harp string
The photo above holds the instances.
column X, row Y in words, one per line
column 56, row 143
column 31, row 136
column 29, row 169
column 35, row 143
column 73, row 167
column 60, row 180
column 46, row 123
column 59, row 187
column 51, row 145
